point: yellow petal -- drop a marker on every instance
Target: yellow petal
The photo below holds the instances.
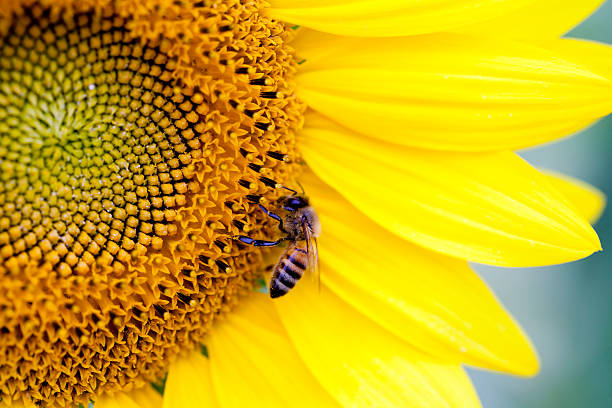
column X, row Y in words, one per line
column 541, row 18
column 592, row 54
column 389, row 18
column 147, row 397
column 253, row 362
column 491, row 208
column 435, row 303
column 21, row 404
column 588, row 200
column 189, row 384
column 452, row 92
column 144, row 397
column 360, row 363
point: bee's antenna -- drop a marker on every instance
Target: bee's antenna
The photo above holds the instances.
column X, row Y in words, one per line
column 301, row 187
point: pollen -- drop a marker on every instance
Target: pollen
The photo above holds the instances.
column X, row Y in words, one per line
column 135, row 140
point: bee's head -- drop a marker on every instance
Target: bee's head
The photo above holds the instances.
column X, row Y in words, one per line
column 294, row 202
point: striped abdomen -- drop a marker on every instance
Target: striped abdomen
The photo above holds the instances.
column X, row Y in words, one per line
column 288, row 270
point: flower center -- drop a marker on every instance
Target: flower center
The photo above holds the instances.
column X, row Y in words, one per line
column 134, row 140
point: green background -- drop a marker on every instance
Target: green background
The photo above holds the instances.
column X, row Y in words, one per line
column 565, row 309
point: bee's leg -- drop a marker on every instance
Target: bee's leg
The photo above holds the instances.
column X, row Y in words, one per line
column 272, row 215
column 290, row 189
column 257, row 242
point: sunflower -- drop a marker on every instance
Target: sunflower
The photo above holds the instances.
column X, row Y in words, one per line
column 139, row 139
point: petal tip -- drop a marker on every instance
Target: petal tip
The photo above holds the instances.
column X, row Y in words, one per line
column 595, row 242
column 529, row 366
column 583, row 248
column 525, row 365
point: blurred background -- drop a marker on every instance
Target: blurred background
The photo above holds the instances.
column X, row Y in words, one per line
column 566, row 309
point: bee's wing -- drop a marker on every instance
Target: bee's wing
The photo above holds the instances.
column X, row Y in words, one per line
column 312, row 249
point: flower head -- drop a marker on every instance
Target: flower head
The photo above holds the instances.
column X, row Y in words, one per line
column 139, row 140
column 128, row 161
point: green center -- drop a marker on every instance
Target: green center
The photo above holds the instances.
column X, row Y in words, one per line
column 89, row 142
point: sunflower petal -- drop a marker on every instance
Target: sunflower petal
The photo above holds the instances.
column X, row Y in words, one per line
column 21, row 404
column 251, row 359
column 588, row 200
column 538, row 19
column 453, row 92
column 360, row 363
column 389, row 18
column 491, row 208
column 189, row 384
column 119, row 400
column 592, row 54
column 145, row 397
column 435, row 303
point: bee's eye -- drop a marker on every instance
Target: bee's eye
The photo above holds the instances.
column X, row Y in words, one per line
column 293, row 203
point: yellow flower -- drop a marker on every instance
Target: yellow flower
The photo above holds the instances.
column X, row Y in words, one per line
column 139, row 139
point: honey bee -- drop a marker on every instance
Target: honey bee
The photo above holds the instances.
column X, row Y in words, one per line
column 301, row 227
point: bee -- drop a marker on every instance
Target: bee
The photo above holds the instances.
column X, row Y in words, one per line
column 301, row 227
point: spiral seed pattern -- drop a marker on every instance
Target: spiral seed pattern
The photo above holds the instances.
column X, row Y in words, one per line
column 134, row 140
